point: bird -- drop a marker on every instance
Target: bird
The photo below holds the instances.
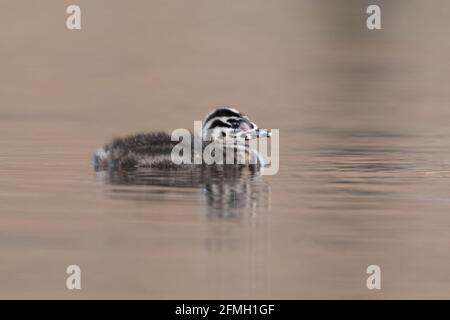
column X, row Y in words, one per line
column 222, row 126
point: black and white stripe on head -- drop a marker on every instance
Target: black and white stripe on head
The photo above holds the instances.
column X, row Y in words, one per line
column 219, row 123
column 222, row 112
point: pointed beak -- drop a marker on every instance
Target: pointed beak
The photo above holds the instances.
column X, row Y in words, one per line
column 258, row 133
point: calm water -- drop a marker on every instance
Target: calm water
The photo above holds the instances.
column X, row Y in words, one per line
column 364, row 167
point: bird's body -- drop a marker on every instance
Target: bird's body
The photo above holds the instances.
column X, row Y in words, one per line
column 154, row 150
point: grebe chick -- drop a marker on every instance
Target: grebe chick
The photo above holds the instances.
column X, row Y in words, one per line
column 153, row 150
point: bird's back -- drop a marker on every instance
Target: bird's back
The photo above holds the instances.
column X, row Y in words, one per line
column 141, row 150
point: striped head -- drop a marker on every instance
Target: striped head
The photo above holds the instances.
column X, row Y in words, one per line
column 226, row 122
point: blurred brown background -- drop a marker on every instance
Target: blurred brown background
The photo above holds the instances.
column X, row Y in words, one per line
column 363, row 116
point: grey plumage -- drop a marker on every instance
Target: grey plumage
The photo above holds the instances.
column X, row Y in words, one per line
column 141, row 150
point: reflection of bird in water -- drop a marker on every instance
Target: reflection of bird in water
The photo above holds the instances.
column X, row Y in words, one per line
column 153, row 150
column 226, row 191
column 237, row 190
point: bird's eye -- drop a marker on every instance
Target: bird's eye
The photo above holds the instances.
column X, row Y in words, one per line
column 234, row 124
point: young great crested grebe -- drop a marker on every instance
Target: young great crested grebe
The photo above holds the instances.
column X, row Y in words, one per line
column 153, row 150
